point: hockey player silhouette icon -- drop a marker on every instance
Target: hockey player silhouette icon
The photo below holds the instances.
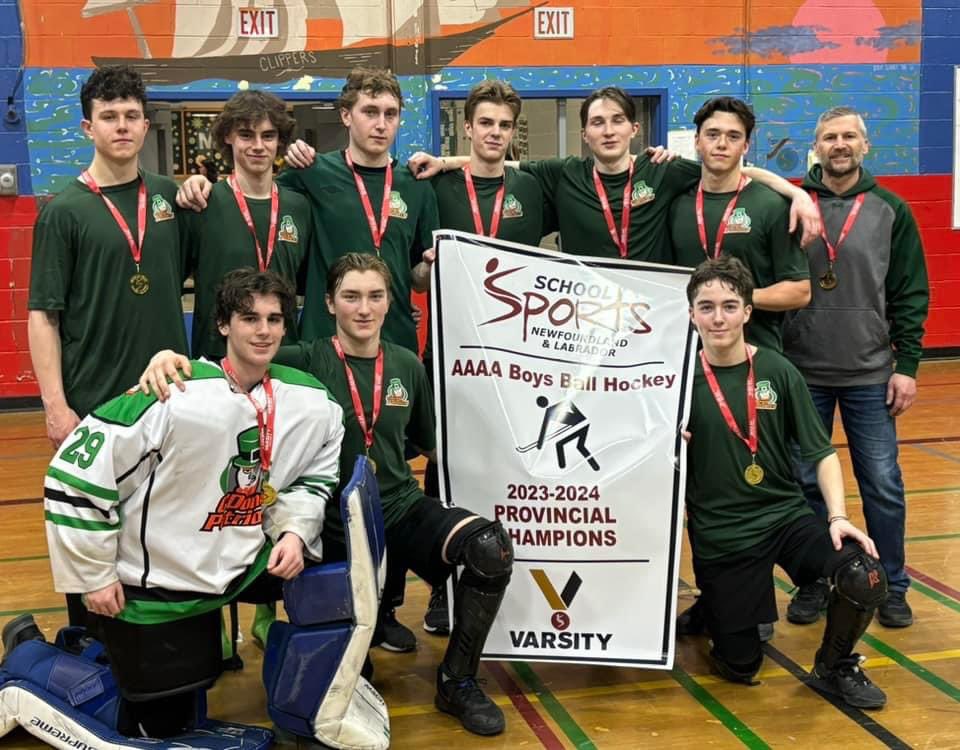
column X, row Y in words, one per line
column 573, row 425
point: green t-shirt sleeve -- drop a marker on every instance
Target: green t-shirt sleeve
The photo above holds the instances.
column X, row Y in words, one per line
column 789, row 260
column 908, row 291
column 803, row 421
column 188, row 226
column 293, row 179
column 295, row 355
column 53, row 258
column 548, row 173
column 427, row 222
column 421, row 429
column 679, row 176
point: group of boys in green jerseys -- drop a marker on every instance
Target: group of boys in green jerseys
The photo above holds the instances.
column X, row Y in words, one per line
column 610, row 204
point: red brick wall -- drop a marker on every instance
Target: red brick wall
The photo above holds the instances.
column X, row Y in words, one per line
column 16, row 229
column 929, row 197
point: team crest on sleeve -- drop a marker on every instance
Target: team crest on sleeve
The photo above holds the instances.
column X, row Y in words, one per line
column 396, row 394
column 240, row 481
column 288, row 231
column 162, row 210
column 642, row 193
column 740, row 222
column 512, row 207
column 398, row 207
column 766, row 396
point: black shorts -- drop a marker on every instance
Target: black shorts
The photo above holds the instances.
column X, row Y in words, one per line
column 416, row 540
column 737, row 591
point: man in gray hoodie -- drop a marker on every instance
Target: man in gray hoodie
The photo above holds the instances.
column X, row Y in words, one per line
column 858, row 343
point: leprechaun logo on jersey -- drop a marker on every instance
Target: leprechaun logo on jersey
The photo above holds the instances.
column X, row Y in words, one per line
column 241, row 480
column 288, row 230
column 740, row 222
column 162, row 210
column 512, row 207
column 398, row 207
column 642, row 193
column 396, row 394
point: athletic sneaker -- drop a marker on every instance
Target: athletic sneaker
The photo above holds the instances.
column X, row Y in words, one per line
column 436, row 620
column 20, row 630
column 765, row 631
column 809, row 601
column 395, row 636
column 895, row 612
column 467, row 701
column 850, row 682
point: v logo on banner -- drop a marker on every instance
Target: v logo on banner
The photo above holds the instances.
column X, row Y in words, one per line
column 556, row 601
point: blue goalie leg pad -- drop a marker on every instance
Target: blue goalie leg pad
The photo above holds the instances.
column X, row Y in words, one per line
column 71, row 701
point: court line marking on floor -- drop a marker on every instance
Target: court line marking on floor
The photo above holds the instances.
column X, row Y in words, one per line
column 554, row 707
column 860, row 717
column 930, row 586
column 911, row 665
column 525, row 708
column 726, row 717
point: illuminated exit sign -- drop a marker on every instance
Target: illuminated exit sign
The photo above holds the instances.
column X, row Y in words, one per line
column 259, row 23
column 553, row 23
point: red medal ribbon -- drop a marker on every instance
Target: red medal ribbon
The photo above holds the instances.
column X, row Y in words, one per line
column 245, row 212
column 376, row 232
column 475, row 205
column 722, row 229
column 266, row 415
column 136, row 248
column 620, row 240
column 752, row 440
column 355, row 392
column 847, row 225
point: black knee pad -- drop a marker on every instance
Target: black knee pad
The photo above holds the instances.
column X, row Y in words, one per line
column 861, row 580
column 487, row 552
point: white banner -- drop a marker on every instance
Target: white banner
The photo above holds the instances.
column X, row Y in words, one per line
column 561, row 383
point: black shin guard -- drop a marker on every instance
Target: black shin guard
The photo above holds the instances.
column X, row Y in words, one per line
column 859, row 587
column 485, row 551
column 475, row 605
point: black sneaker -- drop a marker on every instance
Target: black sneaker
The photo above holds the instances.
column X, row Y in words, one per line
column 467, row 701
column 691, row 620
column 850, row 682
column 765, row 631
column 20, row 630
column 895, row 612
column 396, row 637
column 808, row 603
column 436, row 620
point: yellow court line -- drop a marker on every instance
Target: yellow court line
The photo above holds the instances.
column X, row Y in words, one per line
column 873, row 662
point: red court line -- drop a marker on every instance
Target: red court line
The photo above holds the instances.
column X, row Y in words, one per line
column 933, row 583
column 22, row 501
column 540, row 728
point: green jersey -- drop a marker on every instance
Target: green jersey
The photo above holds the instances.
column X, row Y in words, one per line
column 521, row 219
column 406, row 412
column 221, row 242
column 82, row 268
column 726, row 515
column 758, row 233
column 569, row 187
column 342, row 227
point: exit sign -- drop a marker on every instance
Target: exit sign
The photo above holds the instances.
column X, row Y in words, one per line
column 553, row 23
column 258, row 23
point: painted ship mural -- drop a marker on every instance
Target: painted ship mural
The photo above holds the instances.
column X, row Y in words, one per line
column 403, row 35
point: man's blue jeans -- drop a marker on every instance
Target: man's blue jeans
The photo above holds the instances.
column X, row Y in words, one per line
column 872, row 439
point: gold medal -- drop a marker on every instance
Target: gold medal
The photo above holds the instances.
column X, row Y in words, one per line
column 753, row 474
column 139, row 283
column 373, row 465
column 268, row 495
column 828, row 281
